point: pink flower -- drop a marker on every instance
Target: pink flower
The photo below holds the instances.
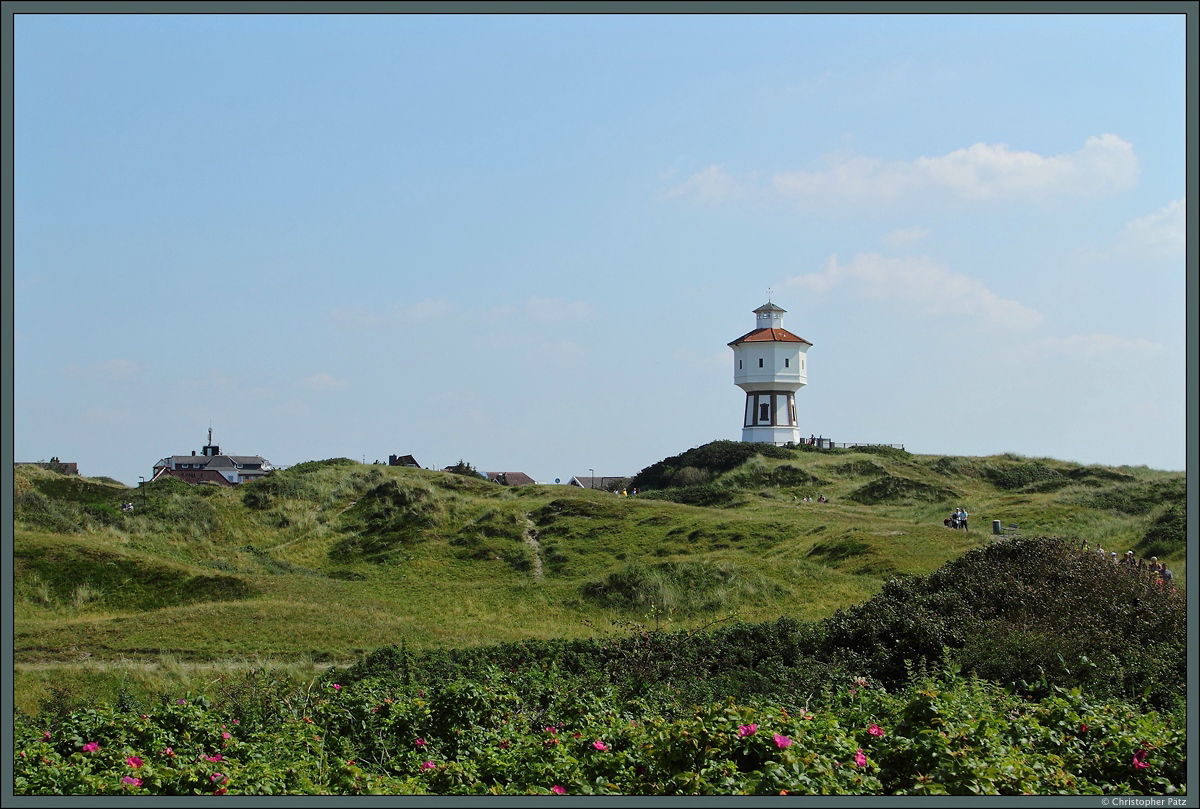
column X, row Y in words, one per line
column 337, row 687
column 1139, row 760
column 746, row 730
column 145, row 716
column 859, row 759
column 46, row 735
column 225, row 735
column 599, row 745
column 131, row 781
column 181, row 702
column 217, row 778
column 557, row 790
column 874, row 730
column 90, row 747
column 427, row 765
column 215, row 757
column 134, row 761
column 782, row 742
column 168, row 752
column 419, row 742
column 549, row 729
column 220, row 791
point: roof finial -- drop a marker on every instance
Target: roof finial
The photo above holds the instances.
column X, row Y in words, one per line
column 768, row 294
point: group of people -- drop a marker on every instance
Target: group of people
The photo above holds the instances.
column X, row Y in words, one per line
column 127, row 507
column 1152, row 569
column 957, row 520
column 820, row 499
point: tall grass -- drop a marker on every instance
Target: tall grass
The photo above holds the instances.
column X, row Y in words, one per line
column 328, row 560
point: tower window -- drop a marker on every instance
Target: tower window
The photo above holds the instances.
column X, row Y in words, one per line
column 739, row 365
column 764, row 414
column 787, row 363
column 760, row 362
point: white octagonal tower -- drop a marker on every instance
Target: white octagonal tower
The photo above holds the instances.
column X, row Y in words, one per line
column 769, row 363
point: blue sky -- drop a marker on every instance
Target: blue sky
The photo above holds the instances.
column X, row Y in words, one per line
column 525, row 241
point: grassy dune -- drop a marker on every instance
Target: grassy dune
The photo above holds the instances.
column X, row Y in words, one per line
column 329, row 560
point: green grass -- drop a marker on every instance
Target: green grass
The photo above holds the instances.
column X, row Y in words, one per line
column 332, row 559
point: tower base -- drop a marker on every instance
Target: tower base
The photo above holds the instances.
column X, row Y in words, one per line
column 771, row 435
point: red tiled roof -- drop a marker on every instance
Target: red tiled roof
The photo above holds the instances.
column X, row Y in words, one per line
column 770, row 336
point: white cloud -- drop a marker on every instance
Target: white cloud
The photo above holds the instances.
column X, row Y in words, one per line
column 1092, row 347
column 903, row 237
column 552, row 309
column 712, row 184
column 564, row 352
column 322, row 381
column 109, row 370
column 924, row 285
column 423, row 311
column 1161, row 233
column 981, row 171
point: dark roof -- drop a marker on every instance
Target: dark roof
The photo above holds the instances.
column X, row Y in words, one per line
column 769, row 336
column 769, row 307
column 218, row 461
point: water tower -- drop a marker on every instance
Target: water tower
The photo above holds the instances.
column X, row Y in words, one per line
column 769, row 363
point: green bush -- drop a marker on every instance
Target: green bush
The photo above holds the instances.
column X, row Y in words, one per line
column 305, row 467
column 1023, row 611
column 1020, row 475
column 715, row 458
column 1167, row 534
column 895, row 453
column 540, row 730
column 690, row 476
column 705, row 494
column 384, row 519
column 268, row 491
column 686, row 588
column 1137, row 498
column 895, row 489
column 859, row 468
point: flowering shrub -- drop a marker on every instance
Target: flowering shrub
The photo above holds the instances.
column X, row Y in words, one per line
column 945, row 735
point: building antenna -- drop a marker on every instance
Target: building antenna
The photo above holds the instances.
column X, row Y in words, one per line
column 768, row 294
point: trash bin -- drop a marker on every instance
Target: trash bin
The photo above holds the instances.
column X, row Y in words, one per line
column 995, row 526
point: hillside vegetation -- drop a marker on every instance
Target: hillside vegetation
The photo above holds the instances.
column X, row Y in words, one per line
column 888, row 697
column 329, row 560
column 719, row 633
